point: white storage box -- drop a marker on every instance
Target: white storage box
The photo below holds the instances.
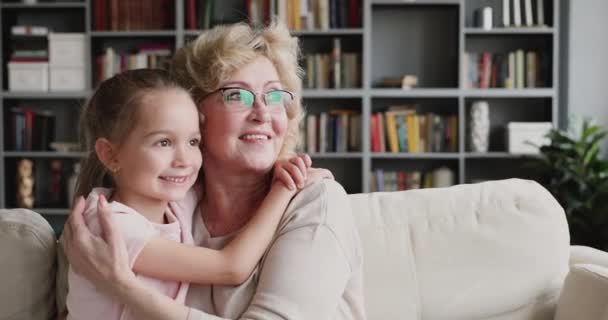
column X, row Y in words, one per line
column 67, row 49
column 67, row 78
column 527, row 137
column 28, row 76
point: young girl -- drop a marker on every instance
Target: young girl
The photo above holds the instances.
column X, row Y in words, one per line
column 142, row 133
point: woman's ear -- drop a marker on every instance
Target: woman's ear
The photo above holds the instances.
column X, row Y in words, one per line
column 106, row 152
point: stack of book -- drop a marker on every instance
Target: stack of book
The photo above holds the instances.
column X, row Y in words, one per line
column 149, row 55
column 133, row 15
column 317, row 14
column 401, row 129
column 336, row 131
column 332, row 70
column 31, row 130
column 513, row 70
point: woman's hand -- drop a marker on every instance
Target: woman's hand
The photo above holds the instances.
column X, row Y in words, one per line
column 297, row 173
column 101, row 260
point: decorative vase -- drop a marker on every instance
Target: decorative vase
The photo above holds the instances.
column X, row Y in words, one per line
column 480, row 126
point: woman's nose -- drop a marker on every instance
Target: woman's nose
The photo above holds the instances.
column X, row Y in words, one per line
column 259, row 110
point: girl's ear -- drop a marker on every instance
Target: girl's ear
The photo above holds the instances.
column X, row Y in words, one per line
column 106, row 152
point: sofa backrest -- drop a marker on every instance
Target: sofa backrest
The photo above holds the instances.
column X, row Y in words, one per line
column 475, row 251
column 27, row 263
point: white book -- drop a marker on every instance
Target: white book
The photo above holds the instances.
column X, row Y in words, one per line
column 323, row 132
column 311, row 133
column 141, row 61
column 506, row 13
column 282, row 11
column 520, row 69
column 511, row 79
column 528, row 13
column 540, row 12
column 517, row 13
column 324, row 14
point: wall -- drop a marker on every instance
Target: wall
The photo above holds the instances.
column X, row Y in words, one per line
column 584, row 41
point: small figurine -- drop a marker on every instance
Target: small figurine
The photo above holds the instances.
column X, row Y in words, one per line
column 25, row 184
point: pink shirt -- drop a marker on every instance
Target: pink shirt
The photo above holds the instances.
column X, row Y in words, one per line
column 84, row 301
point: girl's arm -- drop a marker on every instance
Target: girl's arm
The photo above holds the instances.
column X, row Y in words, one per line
column 165, row 259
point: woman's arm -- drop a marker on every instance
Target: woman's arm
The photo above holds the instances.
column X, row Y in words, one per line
column 105, row 262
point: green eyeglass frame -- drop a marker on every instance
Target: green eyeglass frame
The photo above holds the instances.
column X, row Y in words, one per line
column 245, row 98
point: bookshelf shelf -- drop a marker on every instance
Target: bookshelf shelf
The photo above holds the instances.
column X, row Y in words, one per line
column 328, row 32
column 43, row 154
column 414, row 2
column 510, row 31
column 510, row 93
column 405, row 155
column 496, row 155
column 337, row 155
column 131, row 34
column 45, row 95
column 43, row 5
column 415, row 93
column 332, row 93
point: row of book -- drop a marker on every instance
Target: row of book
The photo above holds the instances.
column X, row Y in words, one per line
column 31, row 130
column 149, row 55
column 316, row 14
column 401, row 129
column 336, row 70
column 518, row 13
column 390, row 180
column 513, row 70
column 133, row 15
column 336, row 131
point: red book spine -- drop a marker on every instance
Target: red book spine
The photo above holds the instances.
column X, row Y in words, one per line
column 191, row 14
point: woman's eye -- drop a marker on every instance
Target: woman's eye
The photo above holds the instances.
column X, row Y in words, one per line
column 233, row 96
column 195, row 142
column 164, row 143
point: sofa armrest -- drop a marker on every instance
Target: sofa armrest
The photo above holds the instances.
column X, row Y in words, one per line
column 585, row 294
column 588, row 255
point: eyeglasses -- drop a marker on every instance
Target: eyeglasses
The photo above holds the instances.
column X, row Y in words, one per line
column 240, row 98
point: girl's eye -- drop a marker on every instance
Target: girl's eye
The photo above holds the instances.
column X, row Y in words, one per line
column 164, row 143
column 195, row 142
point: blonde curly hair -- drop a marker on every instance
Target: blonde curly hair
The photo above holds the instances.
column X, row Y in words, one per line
column 213, row 56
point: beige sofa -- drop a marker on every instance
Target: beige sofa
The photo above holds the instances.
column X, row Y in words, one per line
column 494, row 250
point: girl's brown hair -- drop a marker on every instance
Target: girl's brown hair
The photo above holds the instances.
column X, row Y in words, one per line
column 112, row 113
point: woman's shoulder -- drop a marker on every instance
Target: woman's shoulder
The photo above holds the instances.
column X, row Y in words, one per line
column 322, row 203
column 325, row 204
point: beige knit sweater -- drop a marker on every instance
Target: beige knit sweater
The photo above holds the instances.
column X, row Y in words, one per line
column 311, row 270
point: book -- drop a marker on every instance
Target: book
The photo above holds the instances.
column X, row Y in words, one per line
column 528, row 13
column 506, row 13
column 540, row 12
column 517, row 13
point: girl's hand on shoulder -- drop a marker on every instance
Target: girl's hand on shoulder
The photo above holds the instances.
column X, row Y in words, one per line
column 292, row 172
column 297, row 173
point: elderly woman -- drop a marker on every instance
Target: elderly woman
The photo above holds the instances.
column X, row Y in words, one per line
column 313, row 268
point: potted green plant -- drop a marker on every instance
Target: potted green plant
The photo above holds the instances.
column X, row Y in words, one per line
column 571, row 168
